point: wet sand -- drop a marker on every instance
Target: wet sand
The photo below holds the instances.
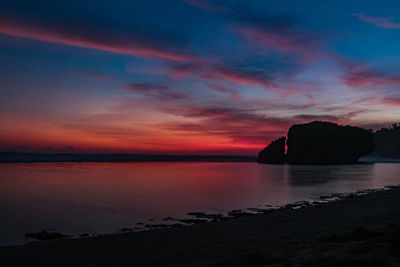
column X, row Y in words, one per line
column 355, row 231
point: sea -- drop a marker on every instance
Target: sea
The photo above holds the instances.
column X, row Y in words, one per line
column 102, row 198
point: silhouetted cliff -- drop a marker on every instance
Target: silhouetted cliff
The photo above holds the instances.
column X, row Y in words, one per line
column 274, row 153
column 319, row 142
column 327, row 143
column 387, row 142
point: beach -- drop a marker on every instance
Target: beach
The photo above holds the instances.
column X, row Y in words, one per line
column 358, row 230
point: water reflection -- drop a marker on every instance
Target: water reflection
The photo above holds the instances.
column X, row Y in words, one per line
column 307, row 175
column 74, row 198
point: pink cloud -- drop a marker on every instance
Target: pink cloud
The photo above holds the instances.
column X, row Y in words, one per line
column 206, row 5
column 391, row 101
column 284, row 41
column 233, row 95
column 211, row 71
column 182, row 70
column 370, row 78
column 243, row 77
column 383, row 22
column 71, row 37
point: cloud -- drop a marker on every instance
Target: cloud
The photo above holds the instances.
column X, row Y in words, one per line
column 274, row 31
column 377, row 125
column 102, row 36
column 206, row 5
column 97, row 76
column 220, row 71
column 47, row 149
column 182, row 70
column 155, row 90
column 241, row 76
column 284, row 40
column 233, row 95
column 383, row 22
column 270, row 73
column 370, row 78
column 239, row 126
column 391, row 101
column 311, row 117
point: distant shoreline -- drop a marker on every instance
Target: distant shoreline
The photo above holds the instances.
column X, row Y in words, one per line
column 11, row 157
column 357, row 230
column 16, row 157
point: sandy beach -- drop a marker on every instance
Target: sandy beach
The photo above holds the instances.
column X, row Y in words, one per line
column 355, row 231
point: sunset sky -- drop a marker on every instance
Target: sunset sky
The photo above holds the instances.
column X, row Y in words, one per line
column 191, row 76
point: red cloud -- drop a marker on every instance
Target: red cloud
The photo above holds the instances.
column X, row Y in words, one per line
column 229, row 122
column 245, row 126
column 391, row 101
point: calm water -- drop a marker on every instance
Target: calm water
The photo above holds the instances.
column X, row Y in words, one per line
column 75, row 198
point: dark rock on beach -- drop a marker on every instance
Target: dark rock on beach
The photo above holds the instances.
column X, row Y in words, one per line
column 193, row 221
column 274, row 153
column 44, row 235
column 202, row 215
column 170, row 219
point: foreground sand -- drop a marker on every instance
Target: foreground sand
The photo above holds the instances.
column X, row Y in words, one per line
column 362, row 231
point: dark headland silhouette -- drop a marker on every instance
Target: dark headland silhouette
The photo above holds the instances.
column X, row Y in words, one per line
column 274, row 153
column 319, row 142
column 387, row 142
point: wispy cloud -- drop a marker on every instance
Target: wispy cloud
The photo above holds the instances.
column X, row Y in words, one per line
column 233, row 95
column 392, row 101
column 206, row 5
column 155, row 90
column 276, row 38
column 239, row 125
column 269, row 75
column 274, row 31
column 370, row 78
column 97, row 76
column 132, row 41
column 383, row 22
column 311, row 117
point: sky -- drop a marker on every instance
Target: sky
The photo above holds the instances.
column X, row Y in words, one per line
column 191, row 76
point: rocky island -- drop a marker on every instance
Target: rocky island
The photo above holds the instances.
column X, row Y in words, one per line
column 319, row 142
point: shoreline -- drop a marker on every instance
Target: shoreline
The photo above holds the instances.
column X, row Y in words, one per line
column 199, row 217
column 6, row 157
column 15, row 157
column 283, row 237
